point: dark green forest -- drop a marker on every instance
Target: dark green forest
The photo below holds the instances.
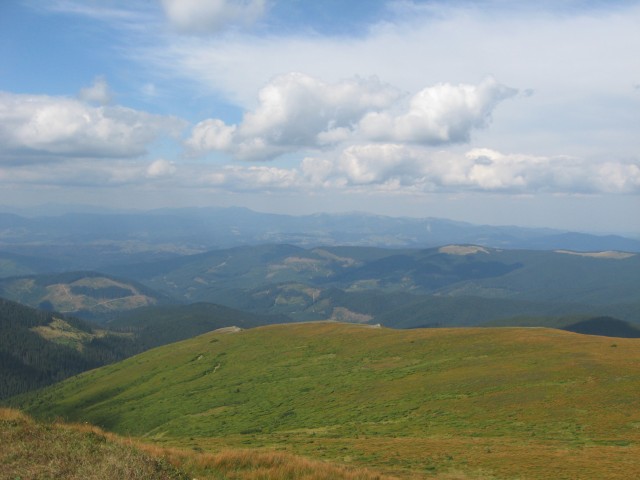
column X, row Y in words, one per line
column 29, row 361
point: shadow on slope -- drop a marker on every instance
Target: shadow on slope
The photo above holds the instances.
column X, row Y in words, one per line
column 604, row 326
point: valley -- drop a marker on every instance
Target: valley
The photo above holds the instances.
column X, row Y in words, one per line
column 452, row 285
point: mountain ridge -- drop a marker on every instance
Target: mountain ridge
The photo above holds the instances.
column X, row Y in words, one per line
column 94, row 240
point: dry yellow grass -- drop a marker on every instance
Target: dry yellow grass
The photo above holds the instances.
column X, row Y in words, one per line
column 38, row 451
column 33, row 450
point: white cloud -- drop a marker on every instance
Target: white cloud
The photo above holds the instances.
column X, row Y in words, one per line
column 440, row 114
column 294, row 108
column 99, row 92
column 210, row 16
column 297, row 112
column 160, row 168
column 461, row 44
column 579, row 62
column 253, row 178
column 211, row 134
column 615, row 177
column 416, row 169
column 365, row 168
column 40, row 127
column 378, row 164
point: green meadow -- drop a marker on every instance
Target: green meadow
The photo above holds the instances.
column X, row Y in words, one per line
column 480, row 403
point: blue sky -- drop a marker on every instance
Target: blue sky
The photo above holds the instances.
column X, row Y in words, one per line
column 491, row 111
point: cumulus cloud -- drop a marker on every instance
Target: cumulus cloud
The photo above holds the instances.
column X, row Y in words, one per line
column 410, row 168
column 379, row 164
column 211, row 16
column 440, row 114
column 389, row 168
column 160, row 168
column 99, row 92
column 415, row 170
column 211, row 134
column 41, row 127
column 616, row 177
column 371, row 165
column 296, row 111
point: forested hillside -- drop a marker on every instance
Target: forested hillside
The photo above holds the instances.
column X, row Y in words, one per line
column 154, row 326
column 38, row 348
column 89, row 295
column 452, row 285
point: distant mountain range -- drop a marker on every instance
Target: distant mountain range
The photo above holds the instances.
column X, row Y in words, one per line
column 92, row 240
column 452, row 285
column 401, row 272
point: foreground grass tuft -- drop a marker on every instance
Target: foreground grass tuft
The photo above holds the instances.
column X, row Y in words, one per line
column 32, row 450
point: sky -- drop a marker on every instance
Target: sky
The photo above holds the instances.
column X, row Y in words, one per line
column 492, row 111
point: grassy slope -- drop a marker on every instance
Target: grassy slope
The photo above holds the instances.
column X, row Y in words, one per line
column 38, row 348
column 525, row 403
column 33, row 450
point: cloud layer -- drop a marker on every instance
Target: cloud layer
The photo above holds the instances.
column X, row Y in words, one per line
column 396, row 167
column 415, row 170
column 41, row 127
column 297, row 112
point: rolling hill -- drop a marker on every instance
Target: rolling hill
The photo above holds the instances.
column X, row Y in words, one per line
column 449, row 285
column 486, row 403
column 88, row 294
column 453, row 285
